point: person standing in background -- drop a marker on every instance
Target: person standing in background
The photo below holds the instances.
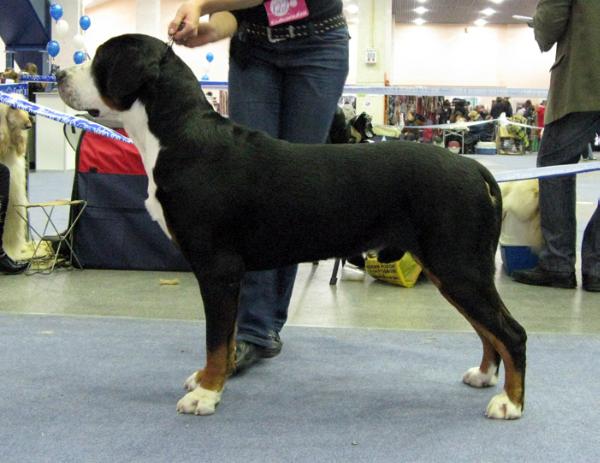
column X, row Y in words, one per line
column 288, row 64
column 572, row 118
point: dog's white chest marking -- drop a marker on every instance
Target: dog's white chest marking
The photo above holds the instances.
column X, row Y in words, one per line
column 135, row 122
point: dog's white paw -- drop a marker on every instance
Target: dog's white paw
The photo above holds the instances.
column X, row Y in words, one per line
column 199, row 402
column 191, row 383
column 476, row 378
column 502, row 408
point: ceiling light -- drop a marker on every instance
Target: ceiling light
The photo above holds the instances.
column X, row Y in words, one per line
column 419, row 21
column 480, row 22
column 497, row 2
column 420, row 10
column 488, row 11
column 421, row 1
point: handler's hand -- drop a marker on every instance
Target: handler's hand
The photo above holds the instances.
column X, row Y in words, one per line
column 185, row 25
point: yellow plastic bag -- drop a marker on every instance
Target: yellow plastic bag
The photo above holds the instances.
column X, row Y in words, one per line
column 404, row 272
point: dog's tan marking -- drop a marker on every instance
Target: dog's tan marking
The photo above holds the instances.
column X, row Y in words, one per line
column 493, row 199
column 489, row 354
column 220, row 364
column 110, row 103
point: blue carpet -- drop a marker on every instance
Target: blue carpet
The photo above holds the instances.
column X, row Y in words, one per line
column 104, row 390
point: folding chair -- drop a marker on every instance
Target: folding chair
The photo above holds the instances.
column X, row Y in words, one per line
column 45, row 258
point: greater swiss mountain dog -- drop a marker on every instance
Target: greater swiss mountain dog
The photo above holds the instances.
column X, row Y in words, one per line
column 234, row 200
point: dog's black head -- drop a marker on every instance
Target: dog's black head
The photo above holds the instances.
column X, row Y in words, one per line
column 123, row 69
column 124, row 65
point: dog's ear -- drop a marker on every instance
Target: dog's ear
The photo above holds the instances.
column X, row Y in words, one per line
column 121, row 78
column 126, row 81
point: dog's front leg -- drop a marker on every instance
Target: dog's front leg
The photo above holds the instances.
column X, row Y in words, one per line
column 221, row 298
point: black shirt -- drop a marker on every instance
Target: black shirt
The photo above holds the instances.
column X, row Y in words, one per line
column 318, row 9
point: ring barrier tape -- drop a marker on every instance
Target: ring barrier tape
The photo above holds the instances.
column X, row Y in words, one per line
column 546, row 172
column 90, row 126
column 36, row 78
column 21, row 89
column 502, row 120
column 75, row 121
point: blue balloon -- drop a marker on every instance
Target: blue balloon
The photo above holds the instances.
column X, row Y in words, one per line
column 56, row 11
column 85, row 22
column 210, row 57
column 53, row 48
column 79, row 57
column 205, row 77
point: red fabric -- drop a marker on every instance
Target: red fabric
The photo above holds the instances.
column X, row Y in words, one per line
column 107, row 156
column 541, row 111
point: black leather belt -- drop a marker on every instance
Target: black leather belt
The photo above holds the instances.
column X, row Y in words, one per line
column 289, row 32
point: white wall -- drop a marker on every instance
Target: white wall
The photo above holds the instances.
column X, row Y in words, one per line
column 496, row 56
column 116, row 17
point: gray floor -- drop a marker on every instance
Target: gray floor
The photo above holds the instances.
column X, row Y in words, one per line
column 363, row 304
column 83, row 389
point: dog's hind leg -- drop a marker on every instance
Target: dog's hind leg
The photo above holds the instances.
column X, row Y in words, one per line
column 501, row 335
column 220, row 288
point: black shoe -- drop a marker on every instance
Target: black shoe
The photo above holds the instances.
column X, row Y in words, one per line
column 10, row 267
column 540, row 277
column 247, row 353
column 591, row 283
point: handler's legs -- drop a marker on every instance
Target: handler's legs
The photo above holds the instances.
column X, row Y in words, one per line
column 289, row 90
column 563, row 143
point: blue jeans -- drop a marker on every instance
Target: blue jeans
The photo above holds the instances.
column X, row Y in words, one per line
column 563, row 142
column 289, row 90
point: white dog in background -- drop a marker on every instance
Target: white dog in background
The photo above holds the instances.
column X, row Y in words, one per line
column 521, row 214
column 14, row 124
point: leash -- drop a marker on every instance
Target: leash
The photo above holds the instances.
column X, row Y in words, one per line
column 75, row 121
column 171, row 37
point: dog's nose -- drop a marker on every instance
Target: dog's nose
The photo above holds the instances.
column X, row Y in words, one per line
column 60, row 76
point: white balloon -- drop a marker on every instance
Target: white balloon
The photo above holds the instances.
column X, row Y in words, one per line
column 61, row 28
column 79, row 41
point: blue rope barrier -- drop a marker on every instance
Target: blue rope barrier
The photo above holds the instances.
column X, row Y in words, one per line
column 61, row 117
column 547, row 172
column 36, row 78
column 21, row 89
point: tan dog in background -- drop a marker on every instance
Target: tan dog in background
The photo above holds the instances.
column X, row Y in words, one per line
column 14, row 124
column 521, row 214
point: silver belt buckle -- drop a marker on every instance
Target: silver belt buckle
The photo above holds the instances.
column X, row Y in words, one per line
column 271, row 38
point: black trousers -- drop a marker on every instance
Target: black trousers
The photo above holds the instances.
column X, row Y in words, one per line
column 4, row 189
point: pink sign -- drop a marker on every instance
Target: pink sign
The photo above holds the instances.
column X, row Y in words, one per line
column 285, row 11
